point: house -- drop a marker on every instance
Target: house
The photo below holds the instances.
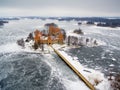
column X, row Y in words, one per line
column 52, row 34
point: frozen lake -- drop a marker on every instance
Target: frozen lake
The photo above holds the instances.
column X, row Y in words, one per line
column 27, row 71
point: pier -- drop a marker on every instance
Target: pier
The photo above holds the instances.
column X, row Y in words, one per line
column 74, row 69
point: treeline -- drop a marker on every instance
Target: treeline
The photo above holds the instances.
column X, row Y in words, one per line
column 102, row 21
column 2, row 22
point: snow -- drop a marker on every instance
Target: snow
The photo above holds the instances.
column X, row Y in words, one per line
column 96, row 78
column 111, row 65
column 70, row 85
column 106, row 28
column 7, row 48
column 113, row 59
column 91, row 75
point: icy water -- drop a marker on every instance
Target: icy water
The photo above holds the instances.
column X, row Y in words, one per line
column 106, row 57
column 21, row 70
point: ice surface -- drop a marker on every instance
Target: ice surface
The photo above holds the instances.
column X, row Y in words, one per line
column 96, row 78
column 108, row 37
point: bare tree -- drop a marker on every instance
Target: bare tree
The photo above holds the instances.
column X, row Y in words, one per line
column 69, row 40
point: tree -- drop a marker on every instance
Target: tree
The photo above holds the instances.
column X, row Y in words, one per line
column 69, row 40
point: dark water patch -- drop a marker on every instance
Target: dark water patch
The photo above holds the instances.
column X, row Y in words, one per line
column 97, row 58
column 3, row 54
column 28, row 72
column 56, row 84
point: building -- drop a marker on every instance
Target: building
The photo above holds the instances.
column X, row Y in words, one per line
column 52, row 34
